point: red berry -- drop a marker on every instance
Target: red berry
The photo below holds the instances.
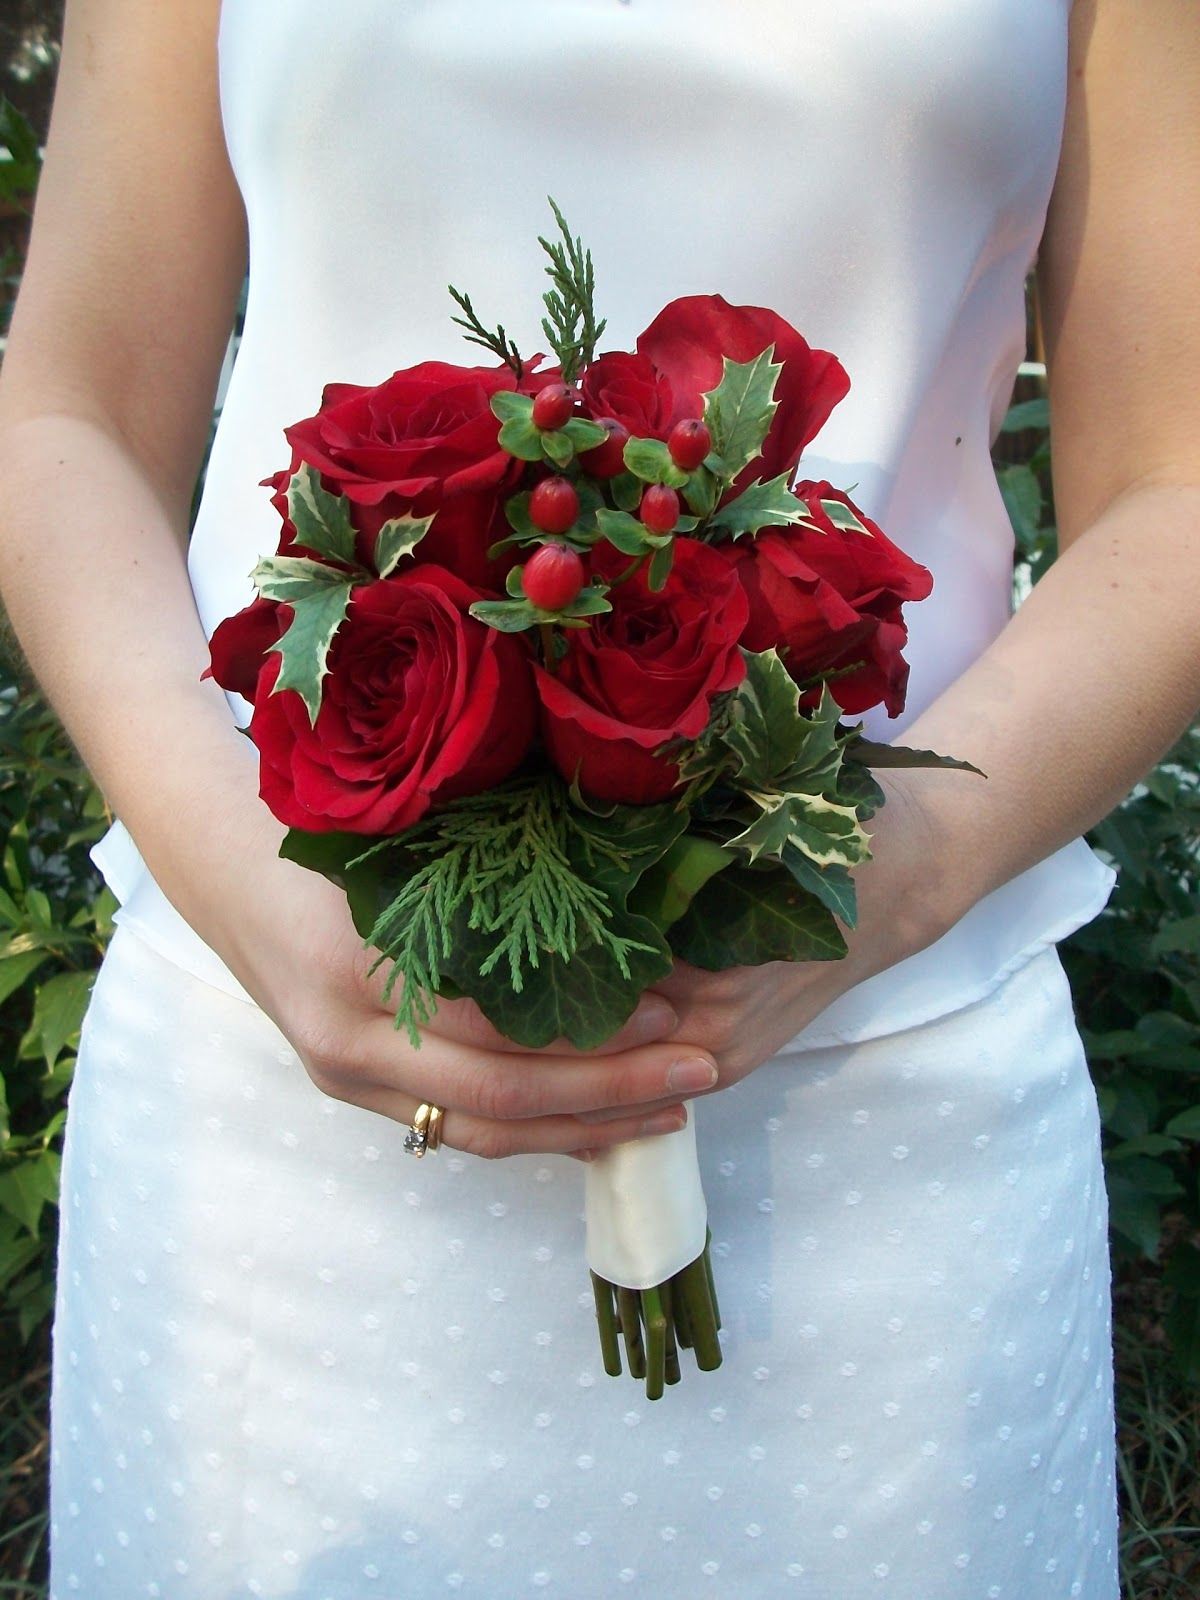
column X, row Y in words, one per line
column 689, row 442
column 552, row 407
column 553, row 505
column 553, row 576
column 659, row 509
column 607, row 459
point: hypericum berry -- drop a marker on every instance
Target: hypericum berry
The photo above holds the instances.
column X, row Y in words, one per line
column 607, row 459
column 659, row 509
column 553, row 576
column 553, row 505
column 552, row 407
column 689, row 442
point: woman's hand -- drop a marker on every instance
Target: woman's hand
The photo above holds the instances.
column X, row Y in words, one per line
column 287, row 936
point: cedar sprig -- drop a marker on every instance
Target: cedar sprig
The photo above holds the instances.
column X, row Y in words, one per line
column 496, row 341
column 505, row 858
column 571, row 327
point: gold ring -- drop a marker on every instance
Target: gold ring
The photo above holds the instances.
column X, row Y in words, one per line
column 426, row 1130
column 433, row 1130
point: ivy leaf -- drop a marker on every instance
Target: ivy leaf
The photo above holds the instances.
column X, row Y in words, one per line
column 584, row 1000
column 740, row 409
column 317, row 614
column 743, row 917
column 763, row 505
column 666, row 891
column 832, row 885
column 398, row 538
column 321, row 520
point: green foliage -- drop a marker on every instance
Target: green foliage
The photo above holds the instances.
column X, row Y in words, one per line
column 54, row 922
column 1135, row 971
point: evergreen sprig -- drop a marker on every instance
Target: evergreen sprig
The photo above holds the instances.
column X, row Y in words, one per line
column 571, row 326
column 501, row 865
column 497, row 340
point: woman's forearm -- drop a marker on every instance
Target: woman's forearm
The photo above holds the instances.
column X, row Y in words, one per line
column 1095, row 676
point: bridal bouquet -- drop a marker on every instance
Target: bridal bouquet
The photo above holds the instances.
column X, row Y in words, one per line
column 549, row 672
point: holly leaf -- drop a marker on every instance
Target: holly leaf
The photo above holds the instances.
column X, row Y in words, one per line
column 739, row 411
column 321, row 520
column 827, row 832
column 777, row 745
column 763, row 505
column 743, row 917
column 871, row 754
column 398, row 538
column 845, row 517
column 317, row 614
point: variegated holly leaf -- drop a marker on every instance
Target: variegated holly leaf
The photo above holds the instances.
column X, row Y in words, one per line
column 740, row 409
column 319, row 601
column 398, row 538
column 321, row 520
column 762, row 505
column 825, row 831
column 777, row 745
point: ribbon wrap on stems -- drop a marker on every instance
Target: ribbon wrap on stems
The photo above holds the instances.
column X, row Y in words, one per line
column 645, row 1209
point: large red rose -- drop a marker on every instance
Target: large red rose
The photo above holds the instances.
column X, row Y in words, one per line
column 626, row 387
column 421, row 704
column 643, row 674
column 831, row 600
column 688, row 341
column 423, row 441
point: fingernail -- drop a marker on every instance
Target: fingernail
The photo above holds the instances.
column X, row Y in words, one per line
column 664, row 1122
column 691, row 1074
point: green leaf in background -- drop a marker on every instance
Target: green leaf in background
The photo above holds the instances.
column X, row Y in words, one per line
column 28, row 1186
column 57, row 1014
column 15, row 969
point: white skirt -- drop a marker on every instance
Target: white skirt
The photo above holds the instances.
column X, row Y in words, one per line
column 292, row 1361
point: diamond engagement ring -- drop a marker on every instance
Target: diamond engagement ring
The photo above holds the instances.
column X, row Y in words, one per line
column 426, row 1131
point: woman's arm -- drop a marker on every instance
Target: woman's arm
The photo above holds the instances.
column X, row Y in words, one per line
column 1099, row 671
column 137, row 254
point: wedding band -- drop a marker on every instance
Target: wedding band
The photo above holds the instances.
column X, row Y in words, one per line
column 426, row 1130
column 433, row 1129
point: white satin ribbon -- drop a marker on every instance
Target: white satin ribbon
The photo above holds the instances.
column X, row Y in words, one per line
column 645, row 1210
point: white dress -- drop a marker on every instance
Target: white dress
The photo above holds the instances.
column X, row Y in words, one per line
column 290, row 1361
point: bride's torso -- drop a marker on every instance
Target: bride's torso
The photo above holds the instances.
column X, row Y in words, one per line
column 876, row 173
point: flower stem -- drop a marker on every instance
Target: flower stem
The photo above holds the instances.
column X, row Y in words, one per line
column 658, row 1322
column 549, row 659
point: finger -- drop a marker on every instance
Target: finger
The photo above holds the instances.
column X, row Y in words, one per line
column 537, row 1136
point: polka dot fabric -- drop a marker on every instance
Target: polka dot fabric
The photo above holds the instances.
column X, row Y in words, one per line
column 291, row 1361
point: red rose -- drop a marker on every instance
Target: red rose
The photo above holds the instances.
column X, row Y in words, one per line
column 421, row 704
column 831, row 600
column 424, row 441
column 687, row 341
column 626, row 387
column 643, row 674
